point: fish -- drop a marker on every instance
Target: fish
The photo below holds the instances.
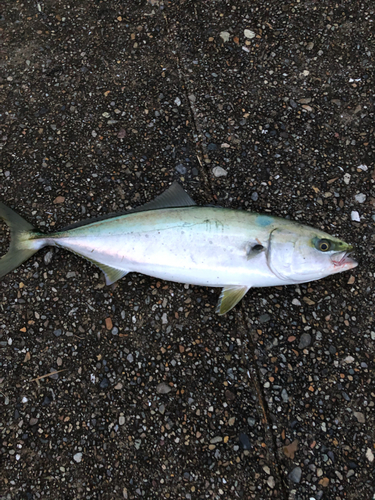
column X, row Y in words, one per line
column 172, row 238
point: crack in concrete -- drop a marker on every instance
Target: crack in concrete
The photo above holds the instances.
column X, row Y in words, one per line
column 262, row 406
column 199, row 138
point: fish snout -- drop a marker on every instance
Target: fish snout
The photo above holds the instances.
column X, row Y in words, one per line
column 342, row 260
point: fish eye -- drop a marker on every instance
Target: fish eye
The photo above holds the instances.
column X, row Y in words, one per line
column 323, row 245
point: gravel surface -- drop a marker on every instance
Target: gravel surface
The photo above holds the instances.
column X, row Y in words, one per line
column 140, row 390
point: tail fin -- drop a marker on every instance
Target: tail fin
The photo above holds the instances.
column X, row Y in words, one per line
column 19, row 250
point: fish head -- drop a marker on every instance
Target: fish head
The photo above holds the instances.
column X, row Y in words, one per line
column 298, row 254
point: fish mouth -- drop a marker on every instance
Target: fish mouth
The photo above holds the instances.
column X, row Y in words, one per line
column 342, row 260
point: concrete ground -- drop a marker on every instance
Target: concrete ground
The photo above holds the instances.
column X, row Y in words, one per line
column 259, row 105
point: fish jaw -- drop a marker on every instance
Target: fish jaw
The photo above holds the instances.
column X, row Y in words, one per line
column 342, row 261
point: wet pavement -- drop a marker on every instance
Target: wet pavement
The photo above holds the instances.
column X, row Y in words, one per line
column 141, row 390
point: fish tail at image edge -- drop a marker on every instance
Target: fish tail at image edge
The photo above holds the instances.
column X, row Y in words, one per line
column 20, row 233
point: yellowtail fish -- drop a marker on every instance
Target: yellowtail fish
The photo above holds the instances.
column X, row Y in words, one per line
column 171, row 238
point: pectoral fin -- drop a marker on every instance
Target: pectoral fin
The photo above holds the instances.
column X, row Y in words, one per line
column 230, row 296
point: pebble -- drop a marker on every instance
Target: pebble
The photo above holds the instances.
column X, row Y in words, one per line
column 121, row 420
column 369, row 455
column 249, row 34
column 359, row 416
column 244, row 441
column 360, row 198
column 59, row 199
column 225, row 36
column 77, row 457
column 48, row 257
column 295, row 475
column 285, row 396
column 305, row 341
column 104, row 383
column 347, row 178
column 177, row 101
column 181, row 169
column 254, row 196
column 130, row 358
column 355, row 216
column 163, row 388
column 219, row 172
column 216, row 439
column 271, row 482
column 264, row 318
column 296, row 302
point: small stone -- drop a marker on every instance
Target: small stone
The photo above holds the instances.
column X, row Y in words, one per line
column 114, row 330
column 108, row 323
column 308, row 301
column 369, row 455
column 285, row 396
column 57, row 332
column 295, row 475
column 360, row 198
column 48, row 257
column 77, row 457
column 130, row 358
column 59, row 199
column 249, row 34
column 290, row 450
column 118, row 386
column 181, row 169
column 296, row 302
column 254, row 196
column 355, row 216
column 104, row 383
column 225, row 36
column 70, row 274
column 164, row 319
column 121, row 420
column 349, row 359
column 163, row 388
column 271, row 482
column 33, row 421
column 264, row 318
column 244, row 441
column 219, row 172
column 347, row 178
column 305, row 341
column 216, row 439
column 362, row 167
column 359, row 416
column 177, row 101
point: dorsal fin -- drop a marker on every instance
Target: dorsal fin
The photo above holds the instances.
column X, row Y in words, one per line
column 174, row 197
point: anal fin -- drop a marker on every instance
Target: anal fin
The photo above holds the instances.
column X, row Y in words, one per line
column 229, row 297
column 111, row 274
